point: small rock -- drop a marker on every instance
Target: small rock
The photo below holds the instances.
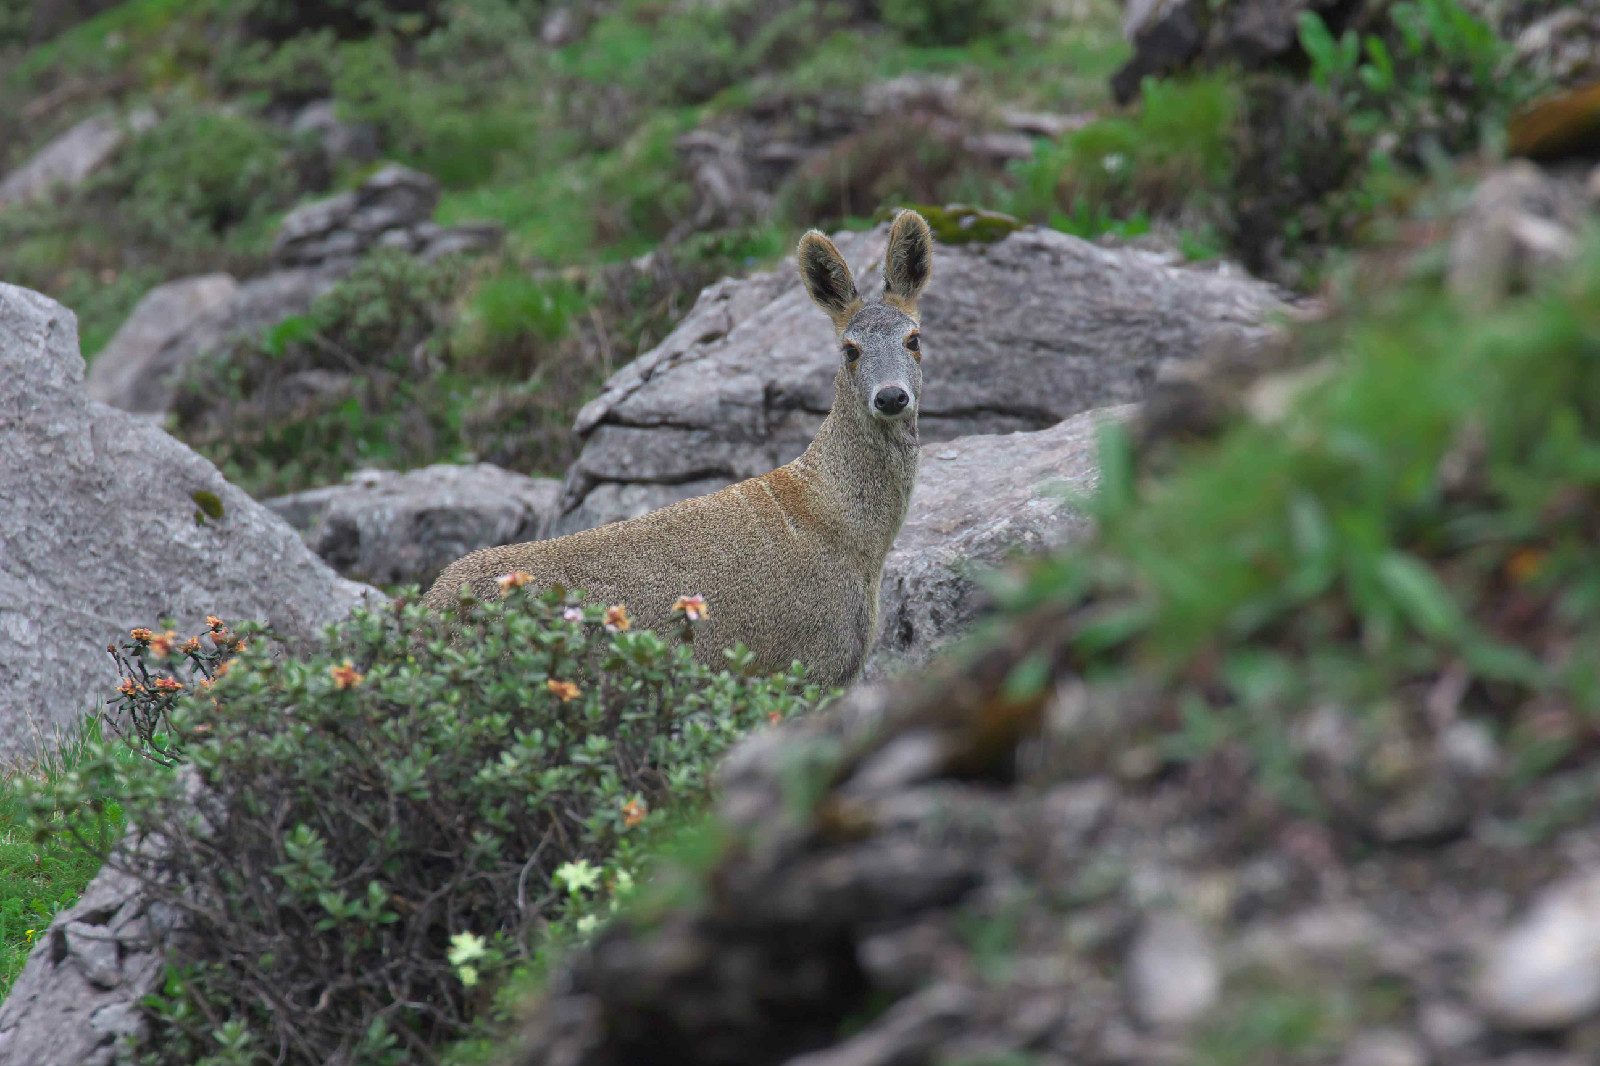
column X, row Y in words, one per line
column 1449, row 1028
column 338, row 139
column 94, row 950
column 1520, row 221
column 560, row 28
column 1173, row 976
column 1385, row 1047
column 1544, row 972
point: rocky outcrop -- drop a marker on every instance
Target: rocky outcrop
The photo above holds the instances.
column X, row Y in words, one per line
column 101, row 532
column 127, row 372
column 978, row 500
column 394, row 529
column 1020, row 334
column 392, row 209
column 69, row 159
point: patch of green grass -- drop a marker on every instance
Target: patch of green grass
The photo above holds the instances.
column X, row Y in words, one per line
column 1175, row 147
column 41, row 877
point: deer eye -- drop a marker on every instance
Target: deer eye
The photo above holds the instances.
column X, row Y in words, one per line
column 914, row 342
column 851, row 352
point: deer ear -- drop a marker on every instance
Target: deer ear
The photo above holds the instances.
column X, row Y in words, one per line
column 909, row 262
column 827, row 278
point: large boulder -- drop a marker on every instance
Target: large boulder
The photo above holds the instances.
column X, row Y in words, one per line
column 141, row 366
column 396, row 529
column 1020, row 334
column 979, row 500
column 126, row 373
column 100, row 532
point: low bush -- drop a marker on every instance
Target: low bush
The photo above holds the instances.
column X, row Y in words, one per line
column 948, row 22
column 388, row 823
column 357, row 380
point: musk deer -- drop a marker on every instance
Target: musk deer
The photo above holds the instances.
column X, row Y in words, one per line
column 789, row 562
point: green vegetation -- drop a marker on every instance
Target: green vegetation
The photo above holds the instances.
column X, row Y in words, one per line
column 395, row 818
column 40, row 876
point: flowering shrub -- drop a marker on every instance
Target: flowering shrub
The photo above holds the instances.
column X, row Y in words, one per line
column 387, row 824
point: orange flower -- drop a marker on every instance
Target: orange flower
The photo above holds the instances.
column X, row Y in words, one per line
column 617, row 618
column 130, row 687
column 774, row 717
column 345, row 676
column 142, row 635
column 192, row 644
column 633, row 813
column 222, row 667
column 564, row 691
column 168, row 685
column 1525, row 564
column 162, row 643
column 692, row 607
column 514, row 580
column 216, row 624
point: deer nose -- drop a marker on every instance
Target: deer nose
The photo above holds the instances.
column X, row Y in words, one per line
column 892, row 400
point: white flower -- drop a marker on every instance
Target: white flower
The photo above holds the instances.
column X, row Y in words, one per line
column 578, row 876
column 588, row 924
column 1114, row 162
column 572, row 614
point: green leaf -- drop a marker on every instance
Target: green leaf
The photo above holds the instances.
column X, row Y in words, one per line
column 209, row 503
column 1420, row 596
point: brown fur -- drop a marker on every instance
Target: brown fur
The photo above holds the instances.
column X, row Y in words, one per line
column 789, row 562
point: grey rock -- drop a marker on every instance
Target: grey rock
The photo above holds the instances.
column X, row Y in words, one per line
column 1172, row 972
column 1520, row 221
column 978, row 500
column 1385, row 1047
column 1020, row 335
column 1564, row 45
column 1169, row 35
column 76, row 1000
column 339, row 140
column 1544, row 972
column 393, row 208
column 69, row 159
column 122, row 371
column 1449, row 1028
column 390, row 529
column 141, row 376
column 99, row 535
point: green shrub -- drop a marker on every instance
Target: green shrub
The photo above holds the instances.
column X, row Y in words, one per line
column 390, row 820
column 1173, row 153
column 947, row 22
column 202, row 172
column 360, row 379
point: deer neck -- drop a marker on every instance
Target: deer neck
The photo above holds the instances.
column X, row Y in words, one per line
column 868, row 468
